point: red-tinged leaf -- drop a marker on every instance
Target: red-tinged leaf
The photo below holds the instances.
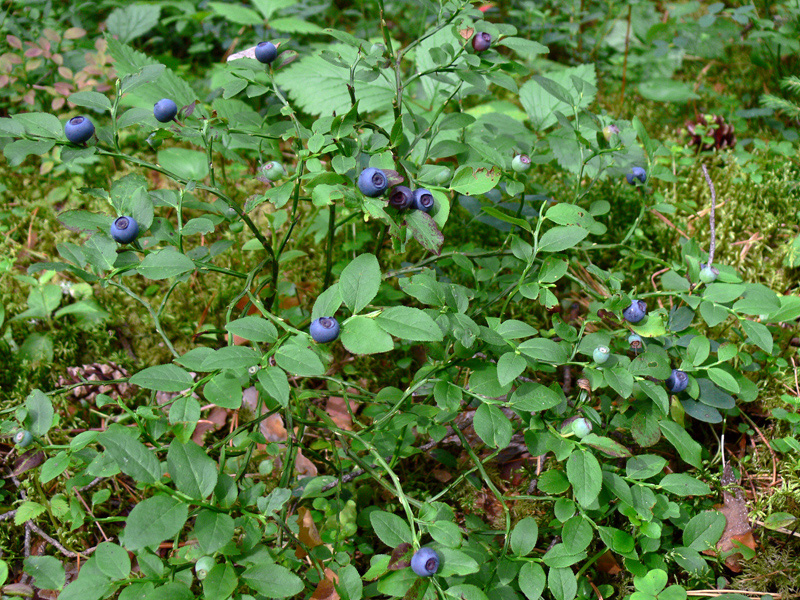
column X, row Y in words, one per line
column 401, row 557
column 425, row 231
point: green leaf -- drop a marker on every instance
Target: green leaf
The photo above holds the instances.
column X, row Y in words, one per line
column 224, row 390
column 698, row 350
column 681, row 484
column 163, row 378
column 220, row 582
column 544, row 350
column 562, row 583
column 154, row 520
column 39, row 124
column 703, row 531
column 298, row 360
column 524, row 536
column 54, row 467
column 231, row 357
column 687, row 447
column 644, row 466
column 534, row 397
column 620, row 379
column 663, row 89
column 541, row 100
column 561, row 238
column 652, row 582
column 617, row 540
column 723, row 379
column 235, row 13
column 391, row 529
column 586, row 477
column 446, row 533
column 17, row 151
column 132, row 21
column 93, row 100
column 131, row 455
column 165, row 263
column 184, row 409
column 192, row 470
column 510, row 366
column 652, row 363
column 560, row 556
column 362, row 335
column 191, row 165
column 359, row 282
column 327, row 303
column 492, row 426
column 758, row 334
column 273, row 581
column 294, row 25
column 213, row 530
column 524, row 48
column 112, row 561
column 28, row 510
column 47, row 571
column 474, row 181
column 532, row 580
column 275, row 384
column 409, row 324
column 39, row 419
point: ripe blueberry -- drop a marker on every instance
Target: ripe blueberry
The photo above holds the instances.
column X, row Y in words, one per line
column 708, row 274
column 677, row 381
column 423, row 200
column 324, row 329
column 79, row 130
column 521, row 163
column 481, row 41
column 636, row 173
column 372, row 182
column 124, row 230
column 165, row 110
column 273, row 170
column 425, row 562
column 635, row 312
column 635, row 342
column 581, row 427
column 266, row 52
column 601, row 354
column 23, row 438
column 401, row 197
column 203, row 565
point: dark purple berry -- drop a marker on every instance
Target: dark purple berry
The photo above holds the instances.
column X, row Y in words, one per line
column 481, row 41
column 401, row 197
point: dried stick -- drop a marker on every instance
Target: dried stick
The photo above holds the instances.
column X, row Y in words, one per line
column 711, row 217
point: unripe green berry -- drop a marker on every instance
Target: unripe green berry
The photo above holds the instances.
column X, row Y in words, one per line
column 203, row 565
column 708, row 274
column 521, row 163
column 601, row 354
column 581, row 427
column 23, row 438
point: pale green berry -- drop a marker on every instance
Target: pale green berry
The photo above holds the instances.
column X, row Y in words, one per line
column 581, row 428
column 601, row 354
column 708, row 274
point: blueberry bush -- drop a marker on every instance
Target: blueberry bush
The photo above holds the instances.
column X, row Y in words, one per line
column 409, row 300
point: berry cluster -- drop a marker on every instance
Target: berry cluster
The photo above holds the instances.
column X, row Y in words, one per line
column 373, row 182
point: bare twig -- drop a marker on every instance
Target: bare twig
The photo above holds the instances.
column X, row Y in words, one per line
column 711, row 217
column 52, row 542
